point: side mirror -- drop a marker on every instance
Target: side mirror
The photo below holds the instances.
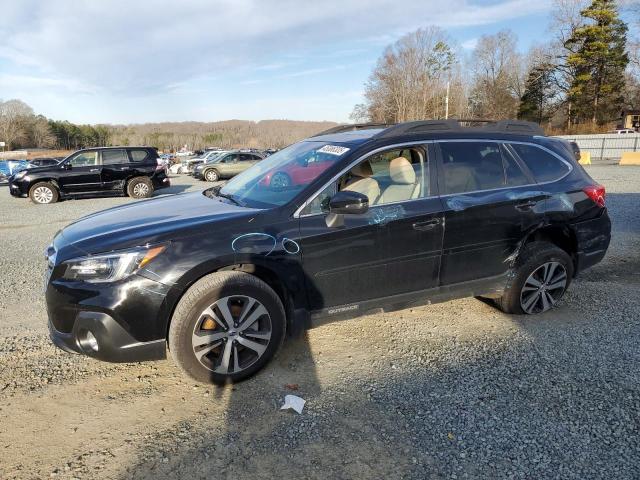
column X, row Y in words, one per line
column 67, row 166
column 345, row 203
column 303, row 162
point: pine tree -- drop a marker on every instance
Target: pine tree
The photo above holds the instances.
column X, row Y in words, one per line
column 599, row 61
column 536, row 102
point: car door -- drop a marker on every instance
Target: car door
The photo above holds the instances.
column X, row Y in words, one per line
column 392, row 249
column 230, row 165
column 115, row 168
column 83, row 173
column 246, row 160
column 489, row 202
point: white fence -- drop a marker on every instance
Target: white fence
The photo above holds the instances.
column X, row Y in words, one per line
column 606, row 145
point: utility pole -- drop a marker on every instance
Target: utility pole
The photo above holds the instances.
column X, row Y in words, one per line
column 446, row 104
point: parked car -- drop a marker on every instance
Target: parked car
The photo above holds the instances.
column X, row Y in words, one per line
column 44, row 162
column 623, row 131
column 189, row 165
column 409, row 214
column 226, row 165
column 10, row 167
column 132, row 171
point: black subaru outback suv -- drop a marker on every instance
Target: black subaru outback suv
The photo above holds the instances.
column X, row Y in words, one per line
column 375, row 217
column 129, row 171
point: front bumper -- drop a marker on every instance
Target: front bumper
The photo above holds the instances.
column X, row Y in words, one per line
column 125, row 318
column 161, row 182
column 17, row 190
column 112, row 342
column 198, row 174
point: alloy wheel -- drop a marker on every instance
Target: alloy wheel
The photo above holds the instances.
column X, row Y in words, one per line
column 232, row 334
column 140, row 189
column 212, row 176
column 43, row 195
column 543, row 288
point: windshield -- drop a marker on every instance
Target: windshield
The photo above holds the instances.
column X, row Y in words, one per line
column 212, row 158
column 281, row 176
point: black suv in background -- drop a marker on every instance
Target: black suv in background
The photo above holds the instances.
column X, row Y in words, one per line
column 132, row 171
column 374, row 217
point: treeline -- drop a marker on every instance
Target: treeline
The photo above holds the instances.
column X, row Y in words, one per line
column 21, row 128
column 580, row 80
column 171, row 136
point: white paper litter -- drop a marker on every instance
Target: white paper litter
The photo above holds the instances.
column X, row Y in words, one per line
column 294, row 402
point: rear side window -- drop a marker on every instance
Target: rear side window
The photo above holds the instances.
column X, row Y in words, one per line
column 514, row 174
column 544, row 166
column 110, row 157
column 138, row 155
column 471, row 166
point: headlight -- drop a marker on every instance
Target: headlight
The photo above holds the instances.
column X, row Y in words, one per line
column 110, row 267
column 20, row 174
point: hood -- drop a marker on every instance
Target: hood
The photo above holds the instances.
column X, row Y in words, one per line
column 145, row 221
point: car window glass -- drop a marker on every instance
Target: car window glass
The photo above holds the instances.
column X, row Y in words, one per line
column 85, row 159
column 110, row 157
column 471, row 166
column 246, row 157
column 515, row 176
column 544, row 166
column 138, row 155
column 388, row 177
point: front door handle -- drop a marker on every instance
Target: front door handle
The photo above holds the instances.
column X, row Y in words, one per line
column 94, row 170
column 426, row 225
column 528, row 205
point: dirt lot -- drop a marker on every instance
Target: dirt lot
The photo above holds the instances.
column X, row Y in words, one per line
column 456, row 390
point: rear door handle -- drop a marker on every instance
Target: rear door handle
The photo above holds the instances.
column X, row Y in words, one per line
column 124, row 168
column 426, row 225
column 528, row 205
column 94, row 170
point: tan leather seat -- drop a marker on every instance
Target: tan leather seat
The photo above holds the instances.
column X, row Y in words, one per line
column 404, row 186
column 459, row 178
column 363, row 183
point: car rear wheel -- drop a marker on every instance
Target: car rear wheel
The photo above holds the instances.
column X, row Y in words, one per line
column 43, row 193
column 211, row 176
column 543, row 273
column 140, row 187
column 226, row 327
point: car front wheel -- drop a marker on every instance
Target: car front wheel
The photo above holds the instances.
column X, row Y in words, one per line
column 542, row 275
column 226, row 327
column 43, row 193
column 211, row 176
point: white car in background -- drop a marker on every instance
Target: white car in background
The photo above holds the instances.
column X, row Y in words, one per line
column 623, row 131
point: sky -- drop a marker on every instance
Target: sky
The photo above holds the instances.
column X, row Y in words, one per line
column 136, row 61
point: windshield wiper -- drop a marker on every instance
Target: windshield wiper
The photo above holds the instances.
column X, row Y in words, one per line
column 218, row 193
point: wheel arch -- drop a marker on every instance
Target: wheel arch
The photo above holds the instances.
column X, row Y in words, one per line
column 264, row 272
column 561, row 236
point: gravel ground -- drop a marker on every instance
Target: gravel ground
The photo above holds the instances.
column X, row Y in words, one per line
column 455, row 390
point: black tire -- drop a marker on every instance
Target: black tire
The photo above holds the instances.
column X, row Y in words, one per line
column 43, row 193
column 533, row 257
column 140, row 187
column 211, row 175
column 205, row 293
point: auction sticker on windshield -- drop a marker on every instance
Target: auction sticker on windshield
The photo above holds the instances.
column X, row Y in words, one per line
column 333, row 150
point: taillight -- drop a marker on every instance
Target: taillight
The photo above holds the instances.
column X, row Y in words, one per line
column 597, row 193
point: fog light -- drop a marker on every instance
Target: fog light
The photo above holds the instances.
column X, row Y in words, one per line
column 89, row 342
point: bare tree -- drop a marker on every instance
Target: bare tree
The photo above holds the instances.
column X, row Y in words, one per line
column 409, row 80
column 14, row 116
column 498, row 76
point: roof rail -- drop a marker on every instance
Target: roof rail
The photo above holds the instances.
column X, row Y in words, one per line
column 352, row 127
column 428, row 126
column 420, row 126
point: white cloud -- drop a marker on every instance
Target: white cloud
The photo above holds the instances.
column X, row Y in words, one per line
column 147, row 45
column 470, row 44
